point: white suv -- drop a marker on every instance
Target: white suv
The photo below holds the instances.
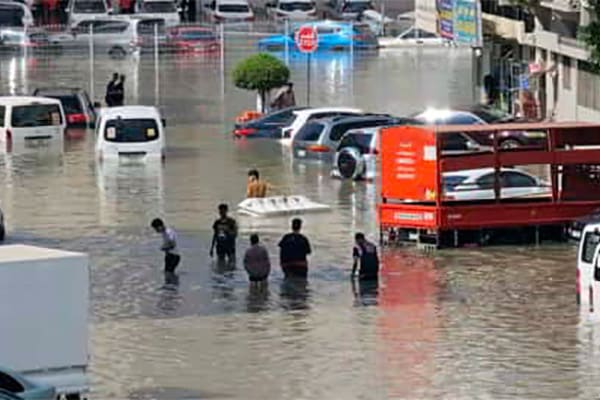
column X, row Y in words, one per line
column 165, row 9
column 80, row 10
column 303, row 116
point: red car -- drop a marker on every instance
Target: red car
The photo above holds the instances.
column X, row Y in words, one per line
column 193, row 39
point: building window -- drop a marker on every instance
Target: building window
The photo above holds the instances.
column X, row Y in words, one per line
column 588, row 87
column 566, row 73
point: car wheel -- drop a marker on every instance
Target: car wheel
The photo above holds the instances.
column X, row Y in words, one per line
column 510, row 144
column 350, row 163
column 117, row 53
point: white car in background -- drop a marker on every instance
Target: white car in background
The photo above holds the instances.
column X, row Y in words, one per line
column 478, row 184
column 163, row 9
column 413, row 37
column 296, row 10
column 301, row 117
column 229, row 11
column 80, row 10
column 15, row 14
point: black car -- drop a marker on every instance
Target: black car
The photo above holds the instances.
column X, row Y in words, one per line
column 575, row 228
column 76, row 103
column 267, row 126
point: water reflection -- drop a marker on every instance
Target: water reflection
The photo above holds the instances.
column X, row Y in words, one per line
column 294, row 293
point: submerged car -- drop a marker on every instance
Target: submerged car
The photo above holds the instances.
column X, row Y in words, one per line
column 332, row 36
column 348, row 10
column 79, row 110
column 12, row 382
column 25, row 39
column 413, row 37
column 296, row 10
column 268, row 126
column 192, row 39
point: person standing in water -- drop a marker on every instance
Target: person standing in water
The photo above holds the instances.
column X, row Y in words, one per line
column 256, row 188
column 294, row 249
column 257, row 262
column 109, row 98
column 119, row 89
column 169, row 245
column 225, row 232
column 365, row 256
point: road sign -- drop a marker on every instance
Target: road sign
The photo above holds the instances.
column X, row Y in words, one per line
column 307, row 39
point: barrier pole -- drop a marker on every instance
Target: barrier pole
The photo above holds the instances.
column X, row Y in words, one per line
column 308, row 79
column 222, row 60
column 156, row 67
column 91, row 47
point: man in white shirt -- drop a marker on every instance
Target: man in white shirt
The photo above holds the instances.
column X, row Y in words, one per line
column 169, row 245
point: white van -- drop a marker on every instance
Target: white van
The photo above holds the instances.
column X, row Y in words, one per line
column 588, row 269
column 34, row 121
column 229, row 11
column 80, row 10
column 164, row 9
column 130, row 133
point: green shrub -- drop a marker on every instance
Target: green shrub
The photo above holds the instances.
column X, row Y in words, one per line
column 261, row 72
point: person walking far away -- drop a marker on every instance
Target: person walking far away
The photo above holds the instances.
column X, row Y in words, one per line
column 225, row 233
column 119, row 98
column 294, row 248
column 169, row 245
column 109, row 98
column 365, row 255
column 256, row 261
column 285, row 97
column 256, row 187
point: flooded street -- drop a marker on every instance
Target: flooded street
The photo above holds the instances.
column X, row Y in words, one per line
column 494, row 323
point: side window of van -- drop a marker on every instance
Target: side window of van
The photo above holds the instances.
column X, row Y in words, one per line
column 590, row 242
column 2, row 113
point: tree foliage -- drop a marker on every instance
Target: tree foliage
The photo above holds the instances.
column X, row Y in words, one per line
column 590, row 34
column 261, row 72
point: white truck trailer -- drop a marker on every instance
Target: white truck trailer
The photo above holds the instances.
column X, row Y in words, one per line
column 44, row 306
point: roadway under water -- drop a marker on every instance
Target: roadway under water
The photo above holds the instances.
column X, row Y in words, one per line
column 493, row 323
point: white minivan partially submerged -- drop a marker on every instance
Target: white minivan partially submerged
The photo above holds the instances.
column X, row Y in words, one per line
column 134, row 133
column 36, row 121
column 588, row 269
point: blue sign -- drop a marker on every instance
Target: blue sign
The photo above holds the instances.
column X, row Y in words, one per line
column 445, row 10
column 523, row 82
column 467, row 22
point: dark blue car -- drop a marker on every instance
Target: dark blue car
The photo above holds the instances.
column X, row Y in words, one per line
column 268, row 126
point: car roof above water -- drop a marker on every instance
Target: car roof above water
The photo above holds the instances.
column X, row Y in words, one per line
column 26, row 100
column 130, row 112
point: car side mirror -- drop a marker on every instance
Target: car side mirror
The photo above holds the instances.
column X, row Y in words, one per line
column 97, row 104
column 110, row 11
column 164, row 122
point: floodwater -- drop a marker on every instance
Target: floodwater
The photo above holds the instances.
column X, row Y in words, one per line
column 493, row 323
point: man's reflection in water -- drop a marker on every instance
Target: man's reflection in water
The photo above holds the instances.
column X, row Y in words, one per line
column 223, row 279
column 365, row 291
column 294, row 293
column 170, row 299
column 171, row 280
column 258, row 297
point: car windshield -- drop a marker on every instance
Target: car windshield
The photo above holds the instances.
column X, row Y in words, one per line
column 11, row 16
column 491, row 115
column 159, row 7
column 451, row 182
column 356, row 6
column 233, row 8
column 71, row 104
column 131, row 130
column 36, row 115
column 310, row 132
column 197, row 35
column 360, row 141
column 296, row 6
column 148, row 27
column 89, row 7
column 38, row 37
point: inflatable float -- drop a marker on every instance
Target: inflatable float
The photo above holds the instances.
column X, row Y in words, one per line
column 279, row 205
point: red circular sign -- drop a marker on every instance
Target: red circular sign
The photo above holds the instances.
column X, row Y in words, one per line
column 307, row 39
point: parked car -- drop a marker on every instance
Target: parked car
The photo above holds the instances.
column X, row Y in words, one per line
column 37, row 121
column 229, row 11
column 319, row 139
column 78, row 108
column 576, row 228
column 413, row 37
column 478, row 184
column 298, row 10
column 358, row 151
column 22, row 39
column 117, row 37
column 481, row 115
column 163, row 9
column 192, row 39
column 13, row 14
column 348, row 10
column 81, row 10
column 267, row 126
column 301, row 117
column 12, row 382
column 332, row 36
column 135, row 133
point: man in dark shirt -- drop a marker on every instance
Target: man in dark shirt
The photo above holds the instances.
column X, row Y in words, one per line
column 365, row 254
column 225, row 232
column 294, row 247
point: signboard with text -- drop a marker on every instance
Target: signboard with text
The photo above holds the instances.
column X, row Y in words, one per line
column 307, row 39
column 445, row 9
column 467, row 22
